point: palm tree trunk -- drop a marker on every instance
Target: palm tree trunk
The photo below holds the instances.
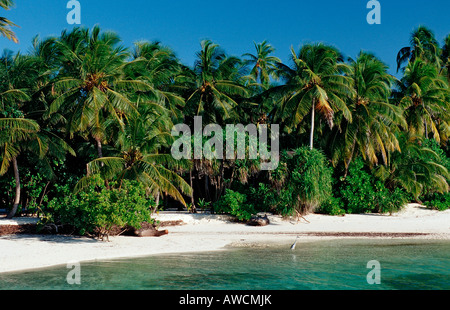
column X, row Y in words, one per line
column 425, row 122
column 157, row 200
column 311, row 137
column 192, row 195
column 347, row 164
column 13, row 211
column 100, row 155
column 207, row 196
column 99, row 148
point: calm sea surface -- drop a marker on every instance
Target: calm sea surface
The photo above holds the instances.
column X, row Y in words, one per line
column 328, row 265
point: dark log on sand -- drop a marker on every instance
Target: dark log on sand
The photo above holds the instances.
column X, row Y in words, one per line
column 259, row 221
column 150, row 231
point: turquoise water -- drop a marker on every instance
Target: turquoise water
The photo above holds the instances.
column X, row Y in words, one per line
column 326, row 265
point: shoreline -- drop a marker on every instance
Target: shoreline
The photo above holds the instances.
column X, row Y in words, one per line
column 202, row 232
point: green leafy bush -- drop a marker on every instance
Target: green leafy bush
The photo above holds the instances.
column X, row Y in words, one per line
column 358, row 192
column 203, row 204
column 333, row 206
column 390, row 202
column 438, row 201
column 235, row 203
column 310, row 179
column 266, row 198
column 96, row 210
column 302, row 182
column 362, row 192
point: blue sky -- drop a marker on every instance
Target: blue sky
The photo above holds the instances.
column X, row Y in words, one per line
column 182, row 24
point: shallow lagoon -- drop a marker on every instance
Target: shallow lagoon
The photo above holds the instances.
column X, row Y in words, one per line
column 326, row 265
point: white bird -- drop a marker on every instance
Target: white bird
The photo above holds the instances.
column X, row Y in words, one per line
column 293, row 246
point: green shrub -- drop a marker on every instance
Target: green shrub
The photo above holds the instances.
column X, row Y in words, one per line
column 362, row 192
column 334, row 206
column 203, row 204
column 266, row 198
column 310, row 179
column 390, row 202
column 96, row 210
column 235, row 203
column 358, row 192
column 302, row 182
column 438, row 201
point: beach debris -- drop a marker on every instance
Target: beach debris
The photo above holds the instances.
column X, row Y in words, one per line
column 17, row 229
column 149, row 231
column 259, row 221
column 171, row 223
column 299, row 215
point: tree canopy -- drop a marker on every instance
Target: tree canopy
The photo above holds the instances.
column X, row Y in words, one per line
column 81, row 106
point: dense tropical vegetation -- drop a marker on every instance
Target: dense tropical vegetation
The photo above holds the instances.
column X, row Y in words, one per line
column 85, row 129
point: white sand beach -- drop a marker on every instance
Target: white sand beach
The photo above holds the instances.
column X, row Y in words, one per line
column 201, row 232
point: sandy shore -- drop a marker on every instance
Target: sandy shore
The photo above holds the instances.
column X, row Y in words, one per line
column 212, row 232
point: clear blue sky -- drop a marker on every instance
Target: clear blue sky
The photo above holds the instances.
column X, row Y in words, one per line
column 182, row 24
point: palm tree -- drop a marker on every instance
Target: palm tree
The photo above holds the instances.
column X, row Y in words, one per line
column 214, row 89
column 14, row 132
column 158, row 66
column 93, row 90
column 373, row 128
column 416, row 168
column 445, row 57
column 423, row 94
column 213, row 86
column 18, row 132
column 423, row 44
column 137, row 156
column 315, row 83
column 263, row 65
column 6, row 24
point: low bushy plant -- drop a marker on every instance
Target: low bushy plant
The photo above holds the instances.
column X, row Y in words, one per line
column 438, row 201
column 302, row 182
column 236, row 204
column 333, row 206
column 362, row 192
column 96, row 210
column 390, row 202
column 310, row 179
column 266, row 198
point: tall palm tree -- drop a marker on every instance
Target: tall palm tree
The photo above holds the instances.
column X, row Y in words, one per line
column 215, row 90
column 264, row 66
column 423, row 44
column 158, row 66
column 315, row 83
column 14, row 132
column 138, row 156
column 445, row 57
column 93, row 90
column 423, row 94
column 213, row 84
column 18, row 132
column 373, row 128
column 6, row 24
